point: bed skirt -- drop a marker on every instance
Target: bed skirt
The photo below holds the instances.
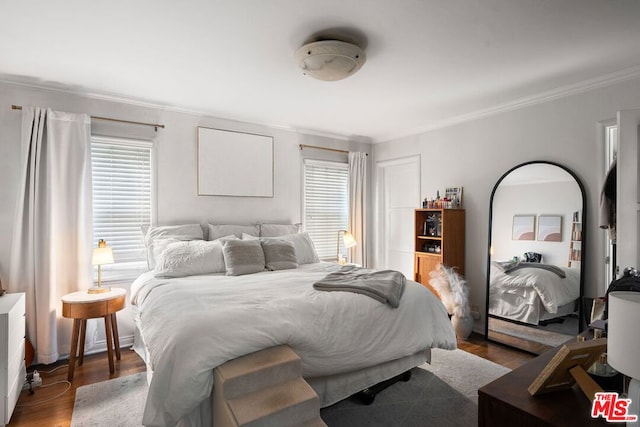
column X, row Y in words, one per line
column 330, row 389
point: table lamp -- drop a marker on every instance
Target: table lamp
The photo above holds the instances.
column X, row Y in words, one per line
column 101, row 255
column 623, row 343
column 349, row 242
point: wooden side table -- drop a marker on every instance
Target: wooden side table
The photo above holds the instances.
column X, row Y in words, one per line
column 507, row 401
column 81, row 306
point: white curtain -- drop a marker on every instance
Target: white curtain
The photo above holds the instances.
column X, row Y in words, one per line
column 51, row 248
column 357, row 206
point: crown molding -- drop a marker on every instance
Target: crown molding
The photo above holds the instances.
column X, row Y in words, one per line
column 539, row 98
column 180, row 109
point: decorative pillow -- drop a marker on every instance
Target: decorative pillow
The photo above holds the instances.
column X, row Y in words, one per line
column 190, row 258
column 279, row 254
column 217, row 231
column 532, row 257
column 305, row 251
column 275, row 230
column 243, row 257
column 156, row 239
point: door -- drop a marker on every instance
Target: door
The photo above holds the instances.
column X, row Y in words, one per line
column 399, row 190
column 627, row 192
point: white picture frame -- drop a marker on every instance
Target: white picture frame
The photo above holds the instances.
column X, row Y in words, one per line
column 234, row 163
column 523, row 227
column 549, row 228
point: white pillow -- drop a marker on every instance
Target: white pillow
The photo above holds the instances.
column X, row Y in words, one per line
column 275, row 230
column 243, row 257
column 156, row 239
column 305, row 250
column 190, row 258
column 217, row 231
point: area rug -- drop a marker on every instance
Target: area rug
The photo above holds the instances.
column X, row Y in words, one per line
column 443, row 393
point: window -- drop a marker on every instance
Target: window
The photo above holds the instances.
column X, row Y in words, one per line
column 326, row 207
column 122, row 197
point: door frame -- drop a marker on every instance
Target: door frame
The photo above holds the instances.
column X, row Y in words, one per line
column 628, row 191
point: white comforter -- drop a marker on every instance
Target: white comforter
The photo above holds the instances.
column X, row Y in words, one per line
column 553, row 290
column 193, row 324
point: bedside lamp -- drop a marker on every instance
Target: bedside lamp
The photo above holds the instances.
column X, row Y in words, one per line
column 101, row 255
column 349, row 242
column 623, row 343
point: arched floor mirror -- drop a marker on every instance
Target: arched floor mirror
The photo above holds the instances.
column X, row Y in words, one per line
column 535, row 268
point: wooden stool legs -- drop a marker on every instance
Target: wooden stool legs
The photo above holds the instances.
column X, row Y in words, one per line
column 78, row 338
column 74, row 348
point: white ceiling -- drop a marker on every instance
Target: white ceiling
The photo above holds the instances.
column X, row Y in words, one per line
column 429, row 62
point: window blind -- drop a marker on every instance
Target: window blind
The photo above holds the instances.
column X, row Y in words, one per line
column 121, row 171
column 326, row 207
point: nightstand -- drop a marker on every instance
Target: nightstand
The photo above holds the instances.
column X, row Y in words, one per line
column 81, row 306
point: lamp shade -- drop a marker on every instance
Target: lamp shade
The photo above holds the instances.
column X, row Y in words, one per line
column 103, row 255
column 349, row 240
column 623, row 333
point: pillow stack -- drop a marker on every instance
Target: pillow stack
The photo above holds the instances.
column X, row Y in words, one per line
column 179, row 251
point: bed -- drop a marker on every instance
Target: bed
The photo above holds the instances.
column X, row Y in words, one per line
column 532, row 292
column 188, row 325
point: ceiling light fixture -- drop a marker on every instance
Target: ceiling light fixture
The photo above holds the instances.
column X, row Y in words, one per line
column 330, row 59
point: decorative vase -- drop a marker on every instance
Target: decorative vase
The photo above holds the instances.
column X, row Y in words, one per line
column 463, row 326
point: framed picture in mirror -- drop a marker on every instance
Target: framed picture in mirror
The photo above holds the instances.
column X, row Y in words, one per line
column 550, row 228
column 523, row 227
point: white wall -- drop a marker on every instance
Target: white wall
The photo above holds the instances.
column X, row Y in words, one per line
column 475, row 154
column 177, row 199
column 558, row 198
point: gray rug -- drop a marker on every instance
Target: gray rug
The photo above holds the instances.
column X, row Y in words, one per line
column 114, row 403
column 441, row 394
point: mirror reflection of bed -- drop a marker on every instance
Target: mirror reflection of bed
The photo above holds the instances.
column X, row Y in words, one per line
column 534, row 283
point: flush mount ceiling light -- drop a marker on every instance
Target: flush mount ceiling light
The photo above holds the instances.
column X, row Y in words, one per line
column 330, row 59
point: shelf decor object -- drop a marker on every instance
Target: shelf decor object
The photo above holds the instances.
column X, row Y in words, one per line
column 569, row 366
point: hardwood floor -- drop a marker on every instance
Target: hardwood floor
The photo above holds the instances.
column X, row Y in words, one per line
column 51, row 405
column 498, row 353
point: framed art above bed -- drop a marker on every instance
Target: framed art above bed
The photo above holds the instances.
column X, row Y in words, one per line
column 234, row 163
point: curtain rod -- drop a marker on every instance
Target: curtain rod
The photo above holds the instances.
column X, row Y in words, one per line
column 155, row 125
column 337, row 150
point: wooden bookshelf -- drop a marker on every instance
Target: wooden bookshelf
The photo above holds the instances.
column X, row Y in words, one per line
column 439, row 239
column 575, row 247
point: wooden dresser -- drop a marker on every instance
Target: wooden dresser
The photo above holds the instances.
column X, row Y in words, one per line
column 12, row 368
column 507, row 401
